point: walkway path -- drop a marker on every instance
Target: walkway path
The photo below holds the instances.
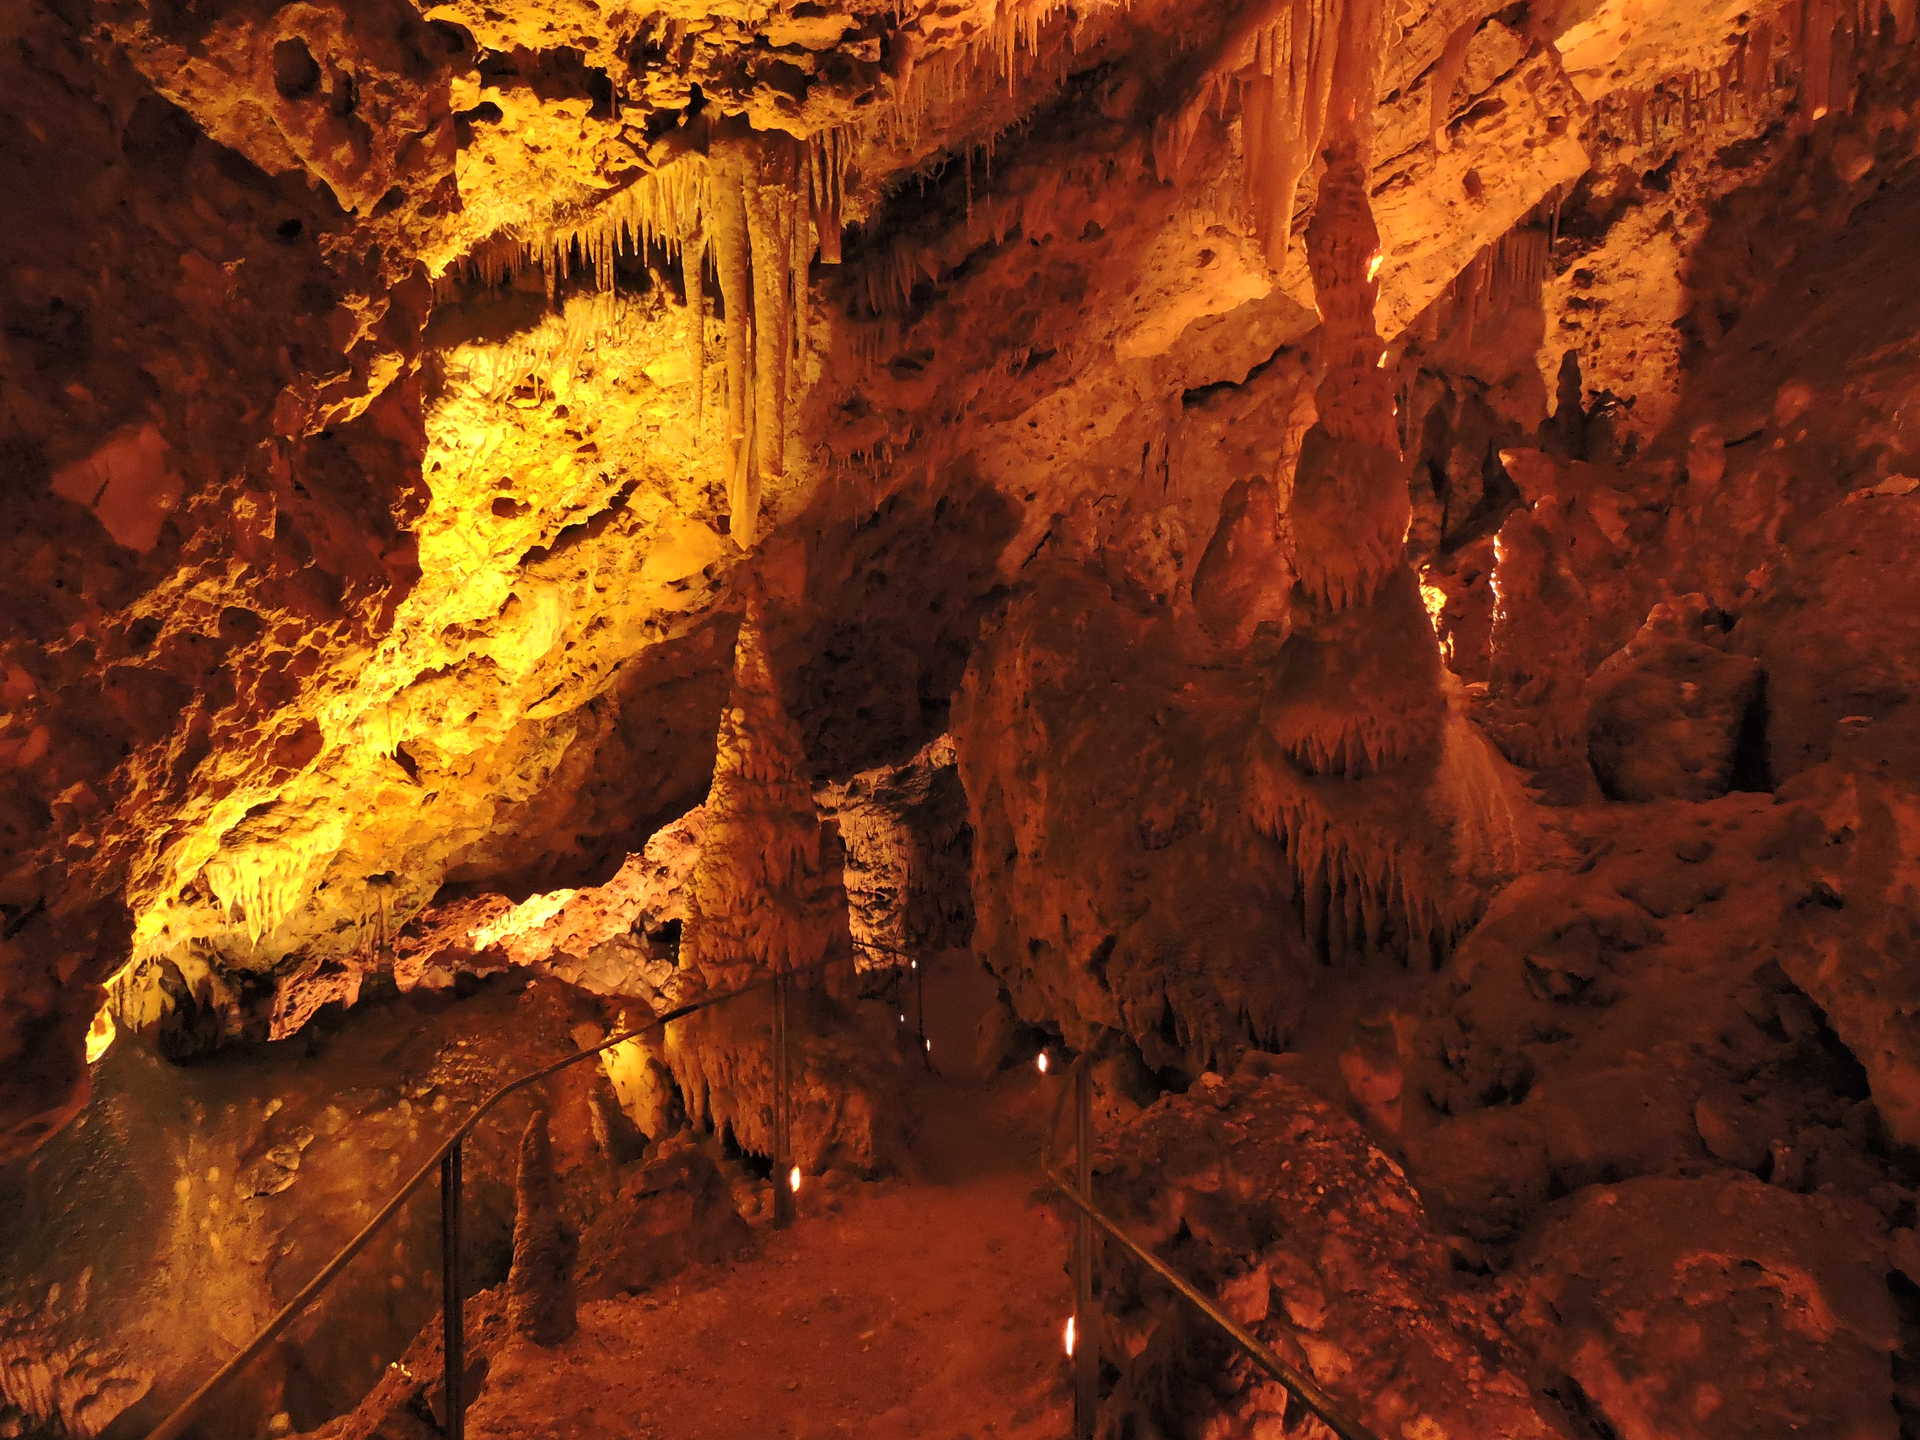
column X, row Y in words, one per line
column 923, row 1307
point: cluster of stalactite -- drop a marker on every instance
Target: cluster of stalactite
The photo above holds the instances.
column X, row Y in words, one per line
column 1511, row 271
column 745, row 219
column 928, row 92
column 1825, row 36
column 1818, row 50
column 1280, row 70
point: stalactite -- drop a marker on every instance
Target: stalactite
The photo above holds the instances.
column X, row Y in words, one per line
column 733, row 263
column 768, row 197
column 1817, row 22
column 826, row 164
column 693, row 273
column 1285, row 97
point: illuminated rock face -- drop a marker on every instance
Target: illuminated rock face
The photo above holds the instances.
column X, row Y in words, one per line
column 1376, row 529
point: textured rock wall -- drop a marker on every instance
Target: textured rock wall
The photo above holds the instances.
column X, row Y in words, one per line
column 157, row 1233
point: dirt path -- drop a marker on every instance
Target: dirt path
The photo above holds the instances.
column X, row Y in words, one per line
column 923, row 1307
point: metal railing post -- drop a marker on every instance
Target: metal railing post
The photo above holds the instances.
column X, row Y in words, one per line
column 783, row 1196
column 1086, row 1343
column 920, row 1011
column 453, row 1337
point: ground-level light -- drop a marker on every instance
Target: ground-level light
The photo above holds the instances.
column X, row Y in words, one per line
column 793, row 1179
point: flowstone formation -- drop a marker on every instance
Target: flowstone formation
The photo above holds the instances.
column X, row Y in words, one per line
column 1371, row 533
column 766, row 905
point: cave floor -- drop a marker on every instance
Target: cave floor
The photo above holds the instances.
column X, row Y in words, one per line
column 926, row 1305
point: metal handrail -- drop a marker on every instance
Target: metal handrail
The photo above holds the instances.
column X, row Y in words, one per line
column 1078, row 1191
column 446, row 1159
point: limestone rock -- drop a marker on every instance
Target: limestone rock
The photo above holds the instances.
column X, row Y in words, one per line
column 1261, row 1191
column 1687, row 1309
column 675, row 1210
column 1666, row 716
column 540, row 1302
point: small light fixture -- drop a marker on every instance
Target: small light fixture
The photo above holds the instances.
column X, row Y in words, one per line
column 1040, row 1062
column 1374, row 262
column 929, row 1045
column 1069, row 1337
column 793, row 1179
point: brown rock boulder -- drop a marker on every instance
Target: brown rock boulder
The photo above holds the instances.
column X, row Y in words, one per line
column 1854, row 929
column 1265, row 1194
column 1714, row 1307
column 1665, row 717
column 1838, row 629
column 675, row 1211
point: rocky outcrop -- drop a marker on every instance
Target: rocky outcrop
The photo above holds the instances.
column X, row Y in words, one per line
column 1277, row 1203
column 1667, row 715
column 675, row 1210
column 1688, row 1309
column 1553, row 1055
column 1116, row 880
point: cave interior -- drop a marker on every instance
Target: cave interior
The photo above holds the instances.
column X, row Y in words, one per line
column 1296, row 618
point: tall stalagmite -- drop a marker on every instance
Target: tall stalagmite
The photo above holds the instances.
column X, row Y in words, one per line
column 765, row 897
column 766, row 890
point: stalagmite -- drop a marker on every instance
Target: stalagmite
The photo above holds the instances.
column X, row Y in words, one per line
column 540, row 1293
column 765, row 897
column 761, row 886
